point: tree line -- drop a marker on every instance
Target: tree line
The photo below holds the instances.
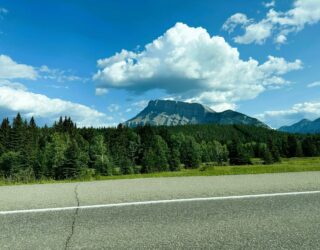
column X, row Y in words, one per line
column 63, row 151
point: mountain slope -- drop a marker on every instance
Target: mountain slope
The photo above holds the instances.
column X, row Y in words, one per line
column 304, row 126
column 169, row 113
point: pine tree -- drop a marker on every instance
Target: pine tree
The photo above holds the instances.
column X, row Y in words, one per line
column 191, row 153
column 148, row 161
column 293, row 147
column 71, row 166
column 9, row 164
column 155, row 158
column 267, row 156
column 5, row 134
column 17, row 132
column 174, row 144
column 273, row 149
column 308, row 146
column 238, row 154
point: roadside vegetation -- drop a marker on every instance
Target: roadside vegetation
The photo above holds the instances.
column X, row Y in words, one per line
column 30, row 154
column 208, row 169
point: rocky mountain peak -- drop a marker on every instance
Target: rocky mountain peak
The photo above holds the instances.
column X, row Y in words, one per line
column 169, row 113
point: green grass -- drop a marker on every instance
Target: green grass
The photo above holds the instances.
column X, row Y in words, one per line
column 286, row 165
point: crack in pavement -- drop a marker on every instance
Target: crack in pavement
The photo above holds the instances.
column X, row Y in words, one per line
column 74, row 218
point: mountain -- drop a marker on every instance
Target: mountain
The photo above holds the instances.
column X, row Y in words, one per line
column 167, row 112
column 305, row 126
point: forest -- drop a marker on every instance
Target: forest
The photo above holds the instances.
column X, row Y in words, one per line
column 63, row 151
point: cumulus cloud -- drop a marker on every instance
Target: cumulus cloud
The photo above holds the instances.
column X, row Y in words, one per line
column 276, row 23
column 255, row 32
column 15, row 98
column 9, row 69
column 314, row 84
column 189, row 63
column 277, row 118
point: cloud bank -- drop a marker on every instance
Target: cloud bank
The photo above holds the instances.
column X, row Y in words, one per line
column 9, row 69
column 276, row 24
column 188, row 63
column 14, row 97
column 299, row 111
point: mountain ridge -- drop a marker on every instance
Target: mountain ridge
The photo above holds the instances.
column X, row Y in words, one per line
column 304, row 126
column 171, row 113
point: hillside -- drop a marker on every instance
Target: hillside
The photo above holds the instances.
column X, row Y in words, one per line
column 304, row 126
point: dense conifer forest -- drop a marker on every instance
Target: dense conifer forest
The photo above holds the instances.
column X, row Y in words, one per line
column 63, row 151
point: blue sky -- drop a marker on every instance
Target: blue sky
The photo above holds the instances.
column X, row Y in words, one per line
column 89, row 59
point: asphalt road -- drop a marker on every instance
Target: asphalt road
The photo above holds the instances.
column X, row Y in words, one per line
column 276, row 222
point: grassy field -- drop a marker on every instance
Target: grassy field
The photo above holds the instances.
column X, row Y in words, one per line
column 286, row 165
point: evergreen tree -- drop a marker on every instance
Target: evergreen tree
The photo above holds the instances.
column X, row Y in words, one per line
column 191, row 153
column 9, row 163
column 293, row 146
column 238, row 154
column 309, row 147
column 148, row 161
column 174, row 144
column 267, row 156
column 273, row 149
column 155, row 158
column 71, row 165
column 16, row 135
column 5, row 134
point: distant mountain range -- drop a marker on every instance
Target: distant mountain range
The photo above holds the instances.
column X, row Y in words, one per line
column 305, row 126
column 169, row 113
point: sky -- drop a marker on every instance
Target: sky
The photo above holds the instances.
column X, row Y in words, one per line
column 100, row 62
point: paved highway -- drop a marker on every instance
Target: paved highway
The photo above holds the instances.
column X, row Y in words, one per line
column 223, row 212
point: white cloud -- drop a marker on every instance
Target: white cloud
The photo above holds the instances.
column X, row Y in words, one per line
column 15, row 99
column 277, row 23
column 280, row 39
column 224, row 106
column 189, row 63
column 101, row 91
column 255, row 32
column 140, row 104
column 10, row 69
column 314, row 84
column 269, row 4
column 14, row 85
column 277, row 118
column 57, row 75
column 113, row 107
column 234, row 21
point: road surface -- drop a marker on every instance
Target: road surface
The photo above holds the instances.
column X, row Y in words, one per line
column 268, row 211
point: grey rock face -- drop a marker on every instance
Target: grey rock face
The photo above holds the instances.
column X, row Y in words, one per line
column 170, row 113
